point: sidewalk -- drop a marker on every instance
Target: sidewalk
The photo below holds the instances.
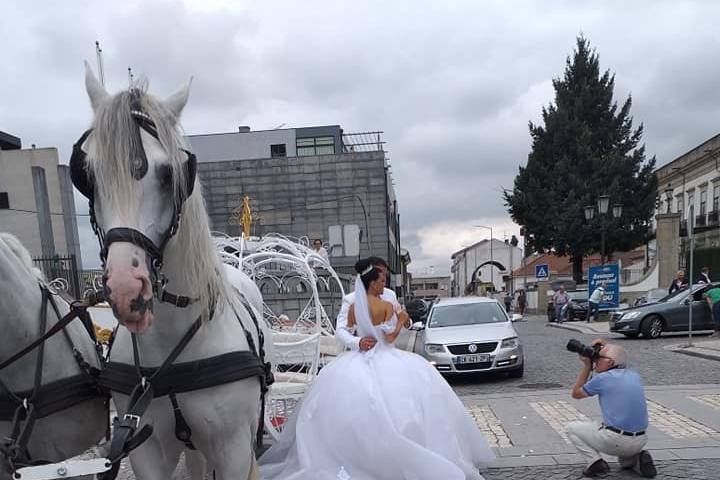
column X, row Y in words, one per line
column 709, row 349
column 526, row 429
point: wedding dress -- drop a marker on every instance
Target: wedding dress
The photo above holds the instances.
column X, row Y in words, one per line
column 385, row 414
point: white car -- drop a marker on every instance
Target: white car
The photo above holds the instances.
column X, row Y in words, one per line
column 470, row 334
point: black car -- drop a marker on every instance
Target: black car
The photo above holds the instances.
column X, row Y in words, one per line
column 576, row 309
column 669, row 314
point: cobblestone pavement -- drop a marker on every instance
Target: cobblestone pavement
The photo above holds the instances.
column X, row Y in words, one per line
column 549, row 365
column 677, row 469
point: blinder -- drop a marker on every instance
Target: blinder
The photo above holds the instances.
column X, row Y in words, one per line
column 82, row 178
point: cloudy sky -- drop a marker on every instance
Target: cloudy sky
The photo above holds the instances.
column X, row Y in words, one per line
column 452, row 84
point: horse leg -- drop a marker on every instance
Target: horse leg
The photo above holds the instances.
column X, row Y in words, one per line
column 156, row 458
column 254, row 470
column 234, row 458
column 196, row 464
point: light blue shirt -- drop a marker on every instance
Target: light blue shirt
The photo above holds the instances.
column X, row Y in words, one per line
column 622, row 398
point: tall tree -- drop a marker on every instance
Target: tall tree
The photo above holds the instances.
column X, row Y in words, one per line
column 586, row 148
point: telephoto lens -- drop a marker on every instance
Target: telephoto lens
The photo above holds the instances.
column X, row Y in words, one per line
column 580, row 348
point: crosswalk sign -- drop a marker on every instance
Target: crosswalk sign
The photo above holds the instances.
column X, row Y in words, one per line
column 542, row 272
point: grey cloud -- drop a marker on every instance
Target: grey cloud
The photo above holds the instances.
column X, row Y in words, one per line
column 452, row 85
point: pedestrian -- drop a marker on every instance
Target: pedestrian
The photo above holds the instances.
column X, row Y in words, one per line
column 624, row 411
column 594, row 303
column 704, row 276
column 522, row 302
column 320, row 250
column 712, row 297
column 507, row 299
column 560, row 299
column 679, row 283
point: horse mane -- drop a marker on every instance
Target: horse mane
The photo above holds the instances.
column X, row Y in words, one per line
column 108, row 161
column 22, row 254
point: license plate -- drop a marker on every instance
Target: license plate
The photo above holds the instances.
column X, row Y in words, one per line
column 471, row 358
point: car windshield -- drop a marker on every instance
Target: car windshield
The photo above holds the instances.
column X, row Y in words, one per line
column 466, row 314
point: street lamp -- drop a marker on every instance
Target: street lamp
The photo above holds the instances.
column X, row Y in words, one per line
column 491, row 253
column 603, row 205
column 668, row 197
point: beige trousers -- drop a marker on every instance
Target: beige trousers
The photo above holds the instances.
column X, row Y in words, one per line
column 591, row 440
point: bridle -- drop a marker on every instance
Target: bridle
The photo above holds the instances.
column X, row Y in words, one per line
column 82, row 179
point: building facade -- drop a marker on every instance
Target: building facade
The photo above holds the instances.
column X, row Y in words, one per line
column 484, row 262
column 315, row 182
column 689, row 203
column 430, row 287
column 36, row 199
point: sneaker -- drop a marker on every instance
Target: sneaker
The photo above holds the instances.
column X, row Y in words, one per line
column 646, row 465
column 598, row 467
column 715, row 335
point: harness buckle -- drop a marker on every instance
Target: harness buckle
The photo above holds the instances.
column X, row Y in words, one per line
column 135, row 419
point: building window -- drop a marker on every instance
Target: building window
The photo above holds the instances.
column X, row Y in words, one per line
column 4, row 203
column 278, row 150
column 716, row 197
column 703, row 202
column 315, row 146
column 691, row 201
column 680, row 208
column 431, row 286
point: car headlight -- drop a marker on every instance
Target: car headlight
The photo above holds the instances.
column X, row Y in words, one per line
column 630, row 315
column 431, row 348
column 511, row 342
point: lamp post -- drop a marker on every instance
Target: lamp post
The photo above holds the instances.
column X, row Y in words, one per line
column 492, row 280
column 668, row 197
column 603, row 205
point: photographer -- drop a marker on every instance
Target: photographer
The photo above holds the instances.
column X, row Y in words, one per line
column 624, row 410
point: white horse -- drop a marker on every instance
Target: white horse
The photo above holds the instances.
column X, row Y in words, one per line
column 151, row 219
column 67, row 432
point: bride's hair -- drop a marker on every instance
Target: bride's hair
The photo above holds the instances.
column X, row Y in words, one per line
column 367, row 271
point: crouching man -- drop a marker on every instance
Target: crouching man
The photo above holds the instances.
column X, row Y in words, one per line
column 624, row 411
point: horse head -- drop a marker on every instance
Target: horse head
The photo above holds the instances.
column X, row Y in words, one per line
column 132, row 167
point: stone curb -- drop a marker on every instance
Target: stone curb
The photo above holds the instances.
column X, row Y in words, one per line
column 604, row 330
column 696, row 351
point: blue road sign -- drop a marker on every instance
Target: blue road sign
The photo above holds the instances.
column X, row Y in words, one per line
column 607, row 276
column 542, row 272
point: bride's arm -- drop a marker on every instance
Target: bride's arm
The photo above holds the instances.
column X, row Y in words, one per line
column 392, row 335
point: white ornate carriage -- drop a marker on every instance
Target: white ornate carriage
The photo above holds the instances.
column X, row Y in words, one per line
column 294, row 280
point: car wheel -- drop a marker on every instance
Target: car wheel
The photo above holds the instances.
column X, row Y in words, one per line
column 518, row 372
column 631, row 335
column 652, row 327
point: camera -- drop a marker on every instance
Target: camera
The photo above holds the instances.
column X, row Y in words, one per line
column 591, row 352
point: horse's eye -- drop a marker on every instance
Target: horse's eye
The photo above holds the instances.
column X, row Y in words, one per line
column 164, row 176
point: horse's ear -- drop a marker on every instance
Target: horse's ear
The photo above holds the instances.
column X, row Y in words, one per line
column 95, row 90
column 176, row 102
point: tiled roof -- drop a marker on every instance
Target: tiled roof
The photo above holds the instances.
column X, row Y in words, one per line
column 562, row 266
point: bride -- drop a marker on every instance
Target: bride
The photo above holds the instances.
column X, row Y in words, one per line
column 384, row 414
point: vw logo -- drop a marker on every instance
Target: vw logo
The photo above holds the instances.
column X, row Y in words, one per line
column 472, row 348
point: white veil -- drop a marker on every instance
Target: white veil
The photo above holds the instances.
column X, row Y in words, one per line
column 362, row 312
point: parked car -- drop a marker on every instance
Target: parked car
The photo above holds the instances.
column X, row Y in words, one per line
column 669, row 314
column 575, row 310
column 470, row 334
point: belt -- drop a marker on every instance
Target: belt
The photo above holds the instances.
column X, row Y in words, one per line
column 623, row 432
